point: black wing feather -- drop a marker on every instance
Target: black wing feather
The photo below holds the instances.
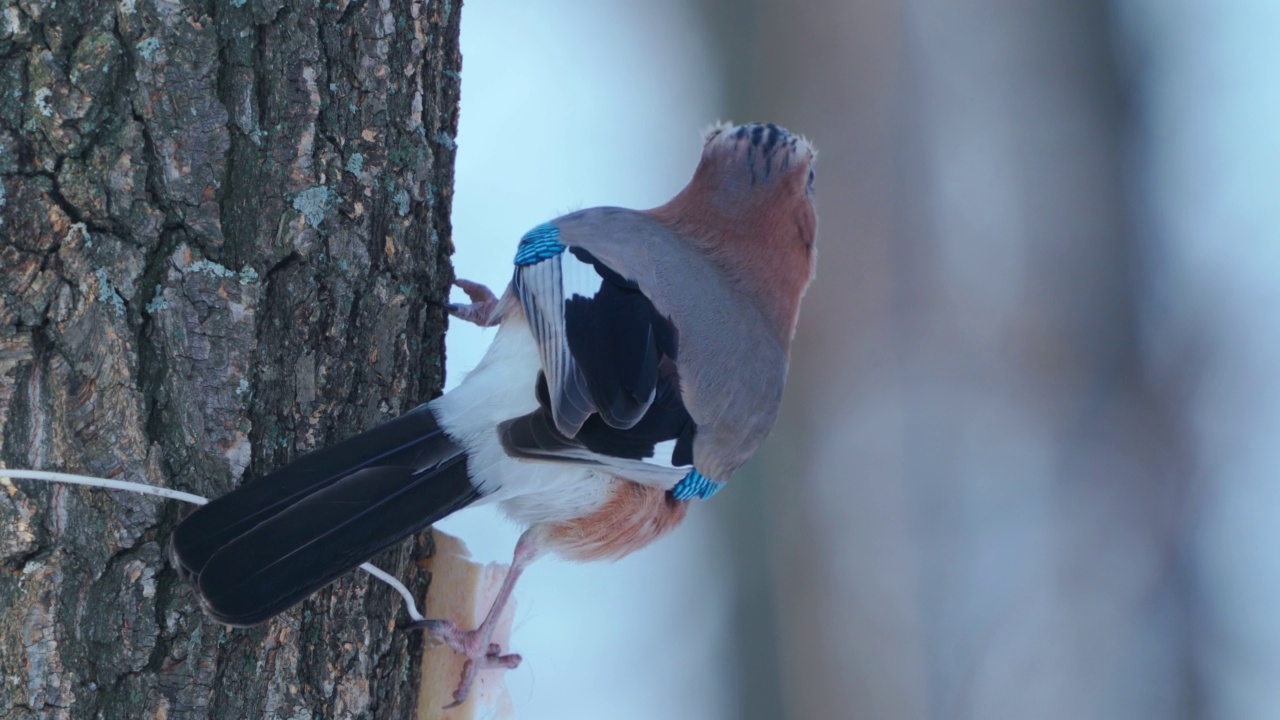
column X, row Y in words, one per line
column 535, row 435
column 610, row 389
column 617, row 339
column 266, row 545
column 280, row 562
column 412, row 438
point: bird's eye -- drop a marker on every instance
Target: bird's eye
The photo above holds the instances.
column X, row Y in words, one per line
column 809, row 185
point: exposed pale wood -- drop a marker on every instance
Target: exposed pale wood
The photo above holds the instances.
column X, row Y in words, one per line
column 461, row 591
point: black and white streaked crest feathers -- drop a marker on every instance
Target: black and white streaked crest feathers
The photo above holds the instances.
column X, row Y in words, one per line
column 609, row 393
column 764, row 140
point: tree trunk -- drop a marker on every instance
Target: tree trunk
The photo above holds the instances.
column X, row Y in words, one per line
column 222, row 228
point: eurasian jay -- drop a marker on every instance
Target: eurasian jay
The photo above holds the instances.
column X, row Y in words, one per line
column 639, row 361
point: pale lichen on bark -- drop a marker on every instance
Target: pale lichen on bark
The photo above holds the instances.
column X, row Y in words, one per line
column 223, row 225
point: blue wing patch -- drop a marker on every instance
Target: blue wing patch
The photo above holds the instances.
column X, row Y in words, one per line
column 695, row 485
column 539, row 244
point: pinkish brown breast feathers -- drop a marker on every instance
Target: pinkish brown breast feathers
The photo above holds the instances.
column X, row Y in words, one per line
column 634, row 516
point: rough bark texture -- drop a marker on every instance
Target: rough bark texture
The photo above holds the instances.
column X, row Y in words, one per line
column 222, row 226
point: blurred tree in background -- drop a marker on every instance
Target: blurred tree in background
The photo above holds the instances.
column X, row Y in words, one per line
column 1028, row 466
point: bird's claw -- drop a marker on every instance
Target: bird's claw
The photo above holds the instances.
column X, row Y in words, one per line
column 493, row 659
column 472, row 645
column 482, row 310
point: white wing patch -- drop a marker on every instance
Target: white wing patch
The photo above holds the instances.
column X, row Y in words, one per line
column 578, row 279
column 663, row 452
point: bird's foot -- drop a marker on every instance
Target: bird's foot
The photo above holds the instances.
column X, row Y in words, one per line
column 473, row 645
column 477, row 645
column 483, row 308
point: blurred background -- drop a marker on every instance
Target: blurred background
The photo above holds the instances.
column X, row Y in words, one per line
column 1029, row 460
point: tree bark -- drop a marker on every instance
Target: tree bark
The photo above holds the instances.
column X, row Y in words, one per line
column 224, row 234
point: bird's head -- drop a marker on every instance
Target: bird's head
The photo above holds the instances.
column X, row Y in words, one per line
column 756, row 162
column 750, row 206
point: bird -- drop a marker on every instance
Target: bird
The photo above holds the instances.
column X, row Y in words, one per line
column 639, row 360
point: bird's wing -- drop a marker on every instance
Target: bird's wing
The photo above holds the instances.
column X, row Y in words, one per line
column 610, row 388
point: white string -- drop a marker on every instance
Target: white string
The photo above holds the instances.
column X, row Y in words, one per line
column 5, row 473
column 409, row 606
column 103, row 482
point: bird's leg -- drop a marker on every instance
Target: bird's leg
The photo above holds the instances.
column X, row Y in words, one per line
column 482, row 310
column 475, row 645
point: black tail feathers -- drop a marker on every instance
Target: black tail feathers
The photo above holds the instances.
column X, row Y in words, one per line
column 265, row 546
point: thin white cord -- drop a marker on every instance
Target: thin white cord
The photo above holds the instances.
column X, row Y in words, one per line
column 5, row 473
column 409, row 606
column 103, row 482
